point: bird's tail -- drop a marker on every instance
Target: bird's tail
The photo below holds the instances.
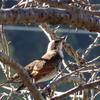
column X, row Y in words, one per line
column 3, row 84
column 7, row 82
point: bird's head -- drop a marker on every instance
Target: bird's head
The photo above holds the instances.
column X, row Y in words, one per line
column 56, row 44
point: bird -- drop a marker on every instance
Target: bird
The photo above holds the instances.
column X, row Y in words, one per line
column 45, row 68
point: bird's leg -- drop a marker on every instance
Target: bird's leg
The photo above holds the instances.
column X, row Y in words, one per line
column 49, row 93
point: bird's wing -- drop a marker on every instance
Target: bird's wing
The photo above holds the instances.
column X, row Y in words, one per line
column 44, row 63
column 43, row 66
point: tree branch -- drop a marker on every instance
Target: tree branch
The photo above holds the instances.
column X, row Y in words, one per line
column 50, row 16
column 75, row 89
column 62, row 5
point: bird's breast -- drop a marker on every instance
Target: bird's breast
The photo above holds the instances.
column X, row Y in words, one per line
column 48, row 76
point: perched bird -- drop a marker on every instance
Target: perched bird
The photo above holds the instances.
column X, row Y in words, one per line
column 45, row 68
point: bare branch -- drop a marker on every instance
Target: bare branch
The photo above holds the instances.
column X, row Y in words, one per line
column 50, row 34
column 42, row 15
column 91, row 46
column 78, row 88
column 70, row 8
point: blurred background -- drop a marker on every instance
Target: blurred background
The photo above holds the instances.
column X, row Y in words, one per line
column 29, row 43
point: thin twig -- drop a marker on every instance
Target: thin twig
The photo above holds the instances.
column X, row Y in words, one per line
column 91, row 46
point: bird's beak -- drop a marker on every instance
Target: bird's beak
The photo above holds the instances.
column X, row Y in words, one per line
column 64, row 38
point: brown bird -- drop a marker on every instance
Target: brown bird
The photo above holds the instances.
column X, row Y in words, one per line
column 45, row 68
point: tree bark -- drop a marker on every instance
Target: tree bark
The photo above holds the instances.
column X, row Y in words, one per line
column 49, row 16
